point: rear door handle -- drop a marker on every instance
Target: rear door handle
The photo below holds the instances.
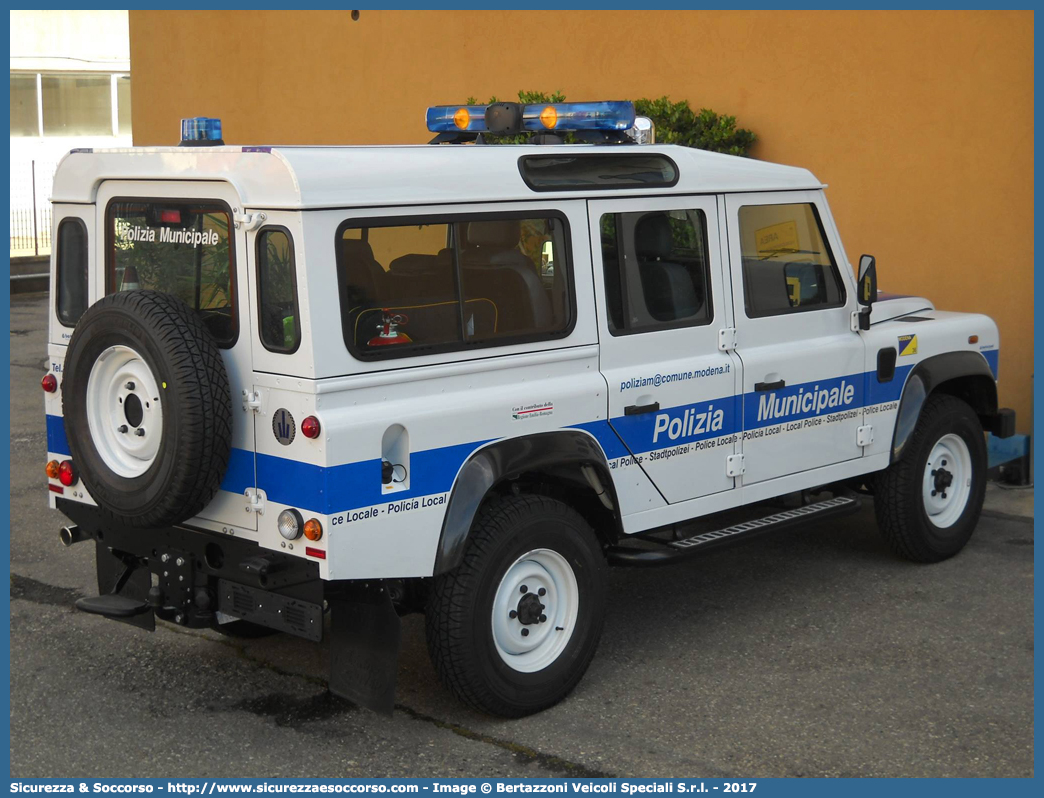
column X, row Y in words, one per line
column 770, row 386
column 634, row 410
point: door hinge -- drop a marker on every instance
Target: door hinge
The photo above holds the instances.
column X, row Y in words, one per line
column 252, row 401
column 865, row 435
column 727, row 339
column 734, row 465
column 255, row 500
column 248, row 221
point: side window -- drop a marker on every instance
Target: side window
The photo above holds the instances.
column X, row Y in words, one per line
column 787, row 263
column 180, row 247
column 71, row 260
column 657, row 271
column 433, row 284
column 278, row 315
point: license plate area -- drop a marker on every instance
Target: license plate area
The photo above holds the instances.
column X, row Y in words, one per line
column 285, row 614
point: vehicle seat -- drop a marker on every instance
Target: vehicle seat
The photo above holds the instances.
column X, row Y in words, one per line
column 668, row 287
column 427, row 276
column 366, row 279
column 494, row 268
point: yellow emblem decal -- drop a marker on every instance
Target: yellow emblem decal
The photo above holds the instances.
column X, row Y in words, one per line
column 907, row 345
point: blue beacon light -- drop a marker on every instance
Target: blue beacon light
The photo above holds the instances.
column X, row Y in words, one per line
column 200, row 131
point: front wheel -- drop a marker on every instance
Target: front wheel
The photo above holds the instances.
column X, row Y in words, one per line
column 928, row 502
column 512, row 629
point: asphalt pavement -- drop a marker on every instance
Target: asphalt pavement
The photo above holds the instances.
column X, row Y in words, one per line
column 814, row 652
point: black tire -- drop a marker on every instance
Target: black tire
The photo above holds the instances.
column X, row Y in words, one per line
column 898, row 496
column 196, row 401
column 459, row 614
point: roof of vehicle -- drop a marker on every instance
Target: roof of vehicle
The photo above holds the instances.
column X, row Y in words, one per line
column 298, row 177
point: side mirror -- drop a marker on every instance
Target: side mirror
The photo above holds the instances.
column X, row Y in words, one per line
column 866, row 289
column 867, row 280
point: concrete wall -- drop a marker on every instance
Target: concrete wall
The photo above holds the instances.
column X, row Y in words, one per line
column 921, row 122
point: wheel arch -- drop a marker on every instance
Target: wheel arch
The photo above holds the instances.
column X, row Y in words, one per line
column 567, row 464
column 964, row 375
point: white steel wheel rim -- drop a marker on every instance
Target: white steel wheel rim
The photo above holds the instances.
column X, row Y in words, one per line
column 124, row 413
column 947, row 481
column 538, row 570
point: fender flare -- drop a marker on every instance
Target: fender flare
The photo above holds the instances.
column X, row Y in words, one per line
column 924, row 378
column 495, row 462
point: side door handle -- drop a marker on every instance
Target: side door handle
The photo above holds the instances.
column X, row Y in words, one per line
column 770, row 386
column 634, row 410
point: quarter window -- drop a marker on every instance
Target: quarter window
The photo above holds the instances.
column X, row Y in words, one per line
column 433, row 284
column 787, row 263
column 279, row 324
column 656, row 270
column 180, row 247
column 71, row 260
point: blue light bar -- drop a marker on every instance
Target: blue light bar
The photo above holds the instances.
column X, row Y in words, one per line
column 443, row 118
column 201, row 129
column 606, row 115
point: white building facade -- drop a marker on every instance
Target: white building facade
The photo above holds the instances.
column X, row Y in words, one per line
column 70, row 87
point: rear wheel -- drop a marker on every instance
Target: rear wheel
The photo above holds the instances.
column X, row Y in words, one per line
column 928, row 502
column 513, row 628
column 148, row 409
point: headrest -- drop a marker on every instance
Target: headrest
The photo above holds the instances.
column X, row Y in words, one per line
column 500, row 234
column 356, row 249
column 652, row 237
column 413, row 265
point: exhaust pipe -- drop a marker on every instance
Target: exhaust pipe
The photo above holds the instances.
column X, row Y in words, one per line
column 72, row 534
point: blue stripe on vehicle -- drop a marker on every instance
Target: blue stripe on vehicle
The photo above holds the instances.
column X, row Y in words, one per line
column 333, row 489
column 56, row 440
column 240, row 472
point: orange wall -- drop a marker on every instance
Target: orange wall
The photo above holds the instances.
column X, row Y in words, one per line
column 921, row 122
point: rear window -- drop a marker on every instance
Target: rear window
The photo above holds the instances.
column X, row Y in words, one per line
column 434, row 284
column 597, row 171
column 180, row 247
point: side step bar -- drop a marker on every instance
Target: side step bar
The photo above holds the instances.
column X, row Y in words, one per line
column 675, row 550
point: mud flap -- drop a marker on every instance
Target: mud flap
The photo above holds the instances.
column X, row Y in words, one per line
column 135, row 585
column 364, row 647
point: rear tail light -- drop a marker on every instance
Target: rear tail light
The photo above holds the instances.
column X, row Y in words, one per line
column 52, row 469
column 49, row 383
column 313, row 530
column 310, row 427
column 67, row 473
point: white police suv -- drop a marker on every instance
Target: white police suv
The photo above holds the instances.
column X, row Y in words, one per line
column 292, row 382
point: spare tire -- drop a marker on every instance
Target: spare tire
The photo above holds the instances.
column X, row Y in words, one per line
column 148, row 409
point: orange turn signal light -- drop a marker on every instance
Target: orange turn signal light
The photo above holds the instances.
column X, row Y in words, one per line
column 462, row 118
column 549, row 117
column 52, row 469
column 313, row 530
column 973, row 339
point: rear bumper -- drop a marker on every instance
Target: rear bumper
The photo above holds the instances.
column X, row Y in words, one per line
column 189, row 576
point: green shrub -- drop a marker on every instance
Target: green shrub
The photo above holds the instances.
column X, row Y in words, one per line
column 676, row 123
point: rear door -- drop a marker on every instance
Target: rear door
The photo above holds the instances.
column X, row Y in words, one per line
column 802, row 364
column 181, row 238
column 662, row 300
